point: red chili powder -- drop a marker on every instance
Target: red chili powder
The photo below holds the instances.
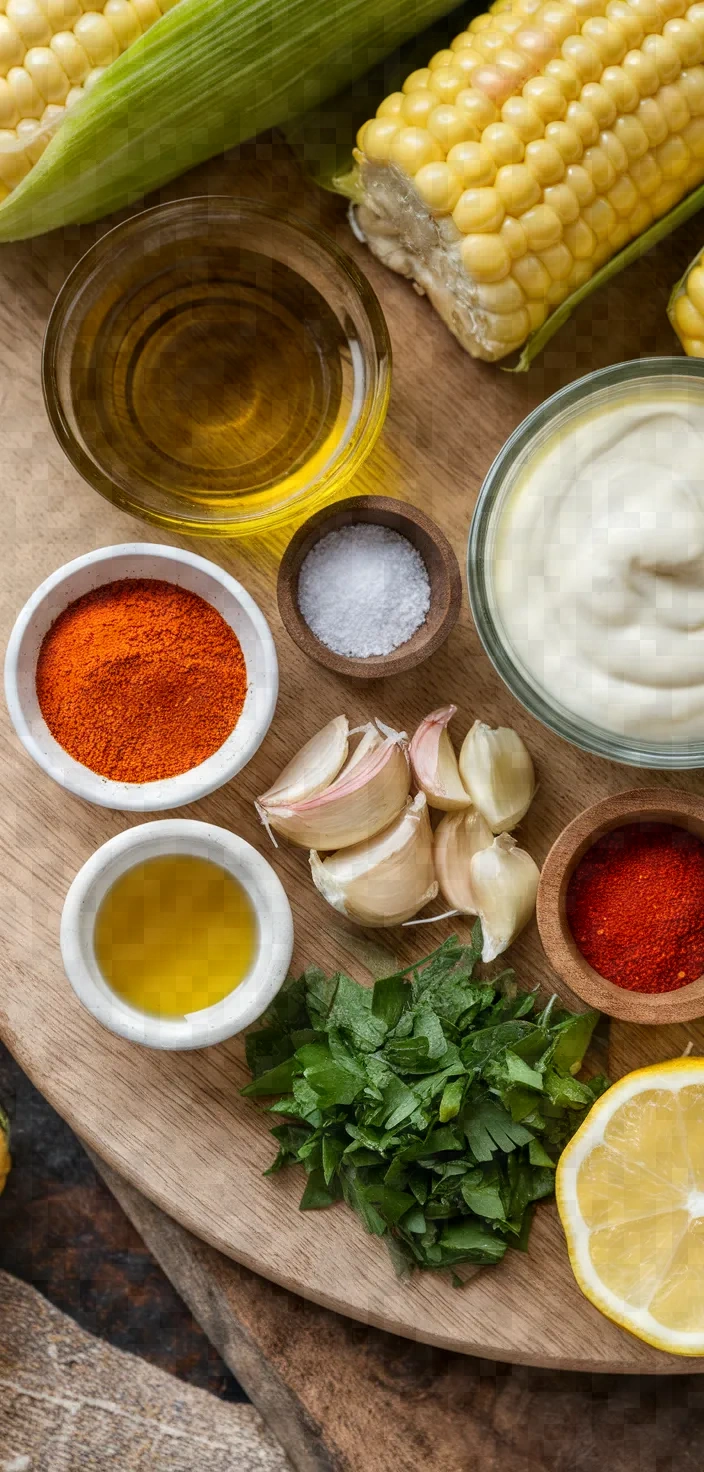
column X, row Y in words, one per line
column 635, row 906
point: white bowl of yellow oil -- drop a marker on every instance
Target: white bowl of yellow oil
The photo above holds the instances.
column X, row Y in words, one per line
column 176, row 934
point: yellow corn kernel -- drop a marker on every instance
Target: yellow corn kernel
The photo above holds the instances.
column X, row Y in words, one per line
column 376, row 137
column 651, row 117
column 12, row 47
column 558, row 20
column 557, row 261
column 545, row 161
column 693, row 136
column 445, row 83
column 478, row 210
column 9, row 111
column 599, row 168
column 580, row 183
column 419, row 78
column 665, row 56
column 71, row 56
column 412, row 149
column 646, row 175
column 416, row 107
column 686, row 39
column 600, row 217
column 29, row 21
column 695, row 288
column 503, row 144
column 623, row 92
column 567, row 140
column 514, row 238
column 674, row 106
column 642, row 71
column 600, row 103
column 389, row 108
column 147, row 12
column 580, row 240
column 501, row 296
column 647, row 11
column 537, row 312
column 521, row 115
column 688, row 319
column 672, row 157
column 665, row 198
column 565, row 77
column 47, row 74
column 517, row 187
column 692, row 88
column 624, row 196
column 614, row 150
column 629, row 23
column 485, row 257
column 533, row 277
column 509, row 328
column 439, row 187
column 516, row 67
column 62, row 14
column 441, row 59
column 473, row 164
column 495, row 84
column 542, row 227
column 490, row 43
column 535, row 43
column 449, row 125
column 633, row 137
column 581, row 273
column 583, row 56
column 479, row 109
column 97, row 38
column 693, row 346
column 546, row 96
column 74, row 96
column 29, row 100
column 15, row 163
column 467, row 62
column 584, row 123
column 562, row 200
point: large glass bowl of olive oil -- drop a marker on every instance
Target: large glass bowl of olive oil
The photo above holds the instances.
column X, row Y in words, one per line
column 216, row 368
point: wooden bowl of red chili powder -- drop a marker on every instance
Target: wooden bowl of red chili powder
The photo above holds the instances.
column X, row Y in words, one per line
column 621, row 906
column 141, row 677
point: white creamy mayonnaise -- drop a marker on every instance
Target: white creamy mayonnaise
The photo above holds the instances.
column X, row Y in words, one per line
column 599, row 566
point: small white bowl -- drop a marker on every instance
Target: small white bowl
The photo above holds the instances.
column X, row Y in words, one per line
column 211, row 1024
column 186, row 570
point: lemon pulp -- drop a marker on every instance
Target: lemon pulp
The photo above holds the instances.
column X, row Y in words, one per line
column 630, row 1191
column 175, row 934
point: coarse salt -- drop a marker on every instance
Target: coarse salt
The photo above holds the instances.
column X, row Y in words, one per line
column 363, row 590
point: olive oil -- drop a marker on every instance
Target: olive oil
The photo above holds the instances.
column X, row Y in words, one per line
column 210, row 371
column 175, row 934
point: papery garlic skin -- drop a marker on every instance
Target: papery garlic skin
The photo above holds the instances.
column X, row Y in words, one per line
column 498, row 773
column 387, row 879
column 359, row 803
column 458, row 837
column 504, row 881
column 314, row 767
column 434, row 763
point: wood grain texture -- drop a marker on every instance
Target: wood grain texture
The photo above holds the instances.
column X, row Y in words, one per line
column 175, row 1125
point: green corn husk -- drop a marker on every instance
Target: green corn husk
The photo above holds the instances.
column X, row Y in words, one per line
column 206, row 76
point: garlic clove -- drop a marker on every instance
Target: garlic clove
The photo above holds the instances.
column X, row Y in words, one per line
column 497, row 772
column 362, row 801
column 504, row 881
column 314, row 767
column 458, row 837
column 371, row 740
column 387, row 879
column 434, row 763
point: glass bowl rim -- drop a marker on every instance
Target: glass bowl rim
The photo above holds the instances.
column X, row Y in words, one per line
column 367, row 418
column 655, row 755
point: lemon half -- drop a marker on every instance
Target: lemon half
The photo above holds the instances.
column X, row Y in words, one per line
column 630, row 1193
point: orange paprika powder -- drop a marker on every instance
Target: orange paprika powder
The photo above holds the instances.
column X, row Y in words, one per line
column 635, row 906
column 141, row 680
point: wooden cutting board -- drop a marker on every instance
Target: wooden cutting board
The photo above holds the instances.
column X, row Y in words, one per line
column 175, row 1125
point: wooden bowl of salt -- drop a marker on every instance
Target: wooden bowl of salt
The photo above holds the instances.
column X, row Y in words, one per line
column 417, row 562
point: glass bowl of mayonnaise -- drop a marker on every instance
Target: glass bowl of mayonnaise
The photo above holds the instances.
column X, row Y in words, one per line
column 586, row 563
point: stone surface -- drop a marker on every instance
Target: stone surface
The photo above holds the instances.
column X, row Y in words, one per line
column 70, row 1403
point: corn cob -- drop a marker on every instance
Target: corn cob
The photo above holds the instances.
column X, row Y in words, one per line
column 686, row 309
column 102, row 100
column 526, row 155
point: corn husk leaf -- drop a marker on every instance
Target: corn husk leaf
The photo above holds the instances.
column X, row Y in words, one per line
column 206, row 76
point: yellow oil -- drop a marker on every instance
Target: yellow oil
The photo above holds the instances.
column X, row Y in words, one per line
column 175, row 934
column 213, row 374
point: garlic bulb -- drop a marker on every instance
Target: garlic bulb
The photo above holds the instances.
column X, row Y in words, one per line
column 366, row 796
column 434, row 763
column 498, row 774
column 457, row 839
column 314, row 767
column 387, row 879
column 504, row 880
